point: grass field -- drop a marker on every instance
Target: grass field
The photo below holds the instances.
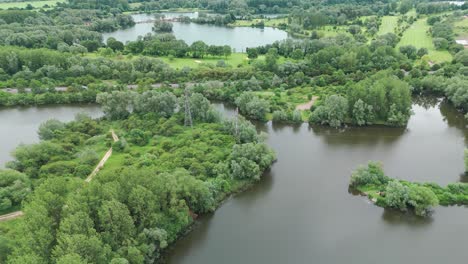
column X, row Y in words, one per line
column 461, row 28
column 234, row 60
column 35, row 4
column 417, row 36
column 178, row 63
column 389, row 24
column 269, row 22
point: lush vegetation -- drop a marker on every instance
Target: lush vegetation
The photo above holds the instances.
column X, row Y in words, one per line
column 162, row 174
column 404, row 195
column 354, row 63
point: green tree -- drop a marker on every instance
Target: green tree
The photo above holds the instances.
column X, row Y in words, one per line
column 333, row 111
column 162, row 103
column 397, row 195
column 116, row 223
column 252, row 106
column 422, row 199
column 116, row 105
column 198, row 49
column 50, row 128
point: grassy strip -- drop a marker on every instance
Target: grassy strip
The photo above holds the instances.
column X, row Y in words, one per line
column 389, row 23
column 35, row 4
column 418, row 36
column 234, row 60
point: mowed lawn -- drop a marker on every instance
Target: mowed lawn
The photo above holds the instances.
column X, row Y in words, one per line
column 234, row 60
column 417, row 36
column 461, row 28
column 35, row 4
column 178, row 63
column 388, row 25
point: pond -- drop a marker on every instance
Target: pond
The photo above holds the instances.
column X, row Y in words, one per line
column 301, row 211
column 19, row 125
column 239, row 38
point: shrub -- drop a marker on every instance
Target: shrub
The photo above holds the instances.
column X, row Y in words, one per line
column 371, row 175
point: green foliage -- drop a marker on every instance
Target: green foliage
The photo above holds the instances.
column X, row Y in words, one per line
column 14, row 188
column 403, row 195
column 115, row 105
column 48, row 129
column 466, row 160
column 384, row 97
column 373, row 174
column 30, row 158
column 397, row 195
column 332, row 112
column 422, row 199
column 162, row 26
column 161, row 103
column 252, row 106
column 249, row 160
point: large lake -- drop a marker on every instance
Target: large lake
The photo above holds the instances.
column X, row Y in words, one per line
column 301, row 210
column 239, row 38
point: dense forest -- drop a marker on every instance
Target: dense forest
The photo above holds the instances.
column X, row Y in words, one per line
column 173, row 157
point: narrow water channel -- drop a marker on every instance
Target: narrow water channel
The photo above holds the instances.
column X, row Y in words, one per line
column 302, row 212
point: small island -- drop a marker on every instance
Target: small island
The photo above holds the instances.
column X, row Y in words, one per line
column 402, row 195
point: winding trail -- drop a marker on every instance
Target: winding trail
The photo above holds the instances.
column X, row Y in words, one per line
column 308, row 105
column 11, row 216
column 100, row 165
column 104, row 159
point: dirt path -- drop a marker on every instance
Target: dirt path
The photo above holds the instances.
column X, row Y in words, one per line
column 104, row 159
column 11, row 216
column 308, row 105
column 17, row 214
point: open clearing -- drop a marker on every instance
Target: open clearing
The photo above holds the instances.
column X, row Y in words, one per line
column 389, row 24
column 35, row 4
column 417, row 36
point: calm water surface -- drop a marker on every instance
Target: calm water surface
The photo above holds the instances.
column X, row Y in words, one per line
column 19, row 125
column 301, row 211
column 238, row 38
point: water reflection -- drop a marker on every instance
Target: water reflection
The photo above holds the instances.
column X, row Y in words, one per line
column 238, row 38
column 397, row 218
column 304, row 212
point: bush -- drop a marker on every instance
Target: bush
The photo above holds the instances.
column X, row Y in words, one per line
column 279, row 116
column 422, row 200
column 50, row 128
column 396, row 195
column 88, row 157
column 83, row 171
column 120, row 145
column 373, row 174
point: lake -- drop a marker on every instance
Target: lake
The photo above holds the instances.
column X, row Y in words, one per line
column 19, row 125
column 239, row 38
column 301, row 210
